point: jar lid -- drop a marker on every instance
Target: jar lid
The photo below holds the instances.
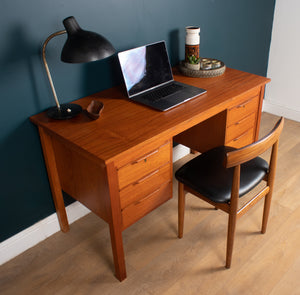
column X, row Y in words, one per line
column 192, row 29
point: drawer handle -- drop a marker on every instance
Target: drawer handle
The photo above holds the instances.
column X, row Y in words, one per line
column 146, row 177
column 237, row 138
column 145, row 157
column 243, row 105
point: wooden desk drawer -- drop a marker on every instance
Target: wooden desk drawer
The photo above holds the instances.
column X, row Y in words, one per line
column 140, row 208
column 144, row 165
column 243, row 139
column 243, row 109
column 240, row 127
column 145, row 186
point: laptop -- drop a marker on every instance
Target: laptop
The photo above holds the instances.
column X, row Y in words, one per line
column 149, row 80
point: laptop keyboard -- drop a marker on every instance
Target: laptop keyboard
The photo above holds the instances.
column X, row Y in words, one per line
column 162, row 92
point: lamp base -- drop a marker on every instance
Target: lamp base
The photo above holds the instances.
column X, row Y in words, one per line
column 66, row 111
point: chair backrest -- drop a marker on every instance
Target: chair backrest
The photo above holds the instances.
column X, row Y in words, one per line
column 255, row 149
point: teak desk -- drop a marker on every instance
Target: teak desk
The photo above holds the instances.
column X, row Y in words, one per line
column 120, row 166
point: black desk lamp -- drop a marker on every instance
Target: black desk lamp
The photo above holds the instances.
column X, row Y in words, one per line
column 81, row 46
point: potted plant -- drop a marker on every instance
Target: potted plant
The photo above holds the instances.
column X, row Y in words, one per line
column 193, row 62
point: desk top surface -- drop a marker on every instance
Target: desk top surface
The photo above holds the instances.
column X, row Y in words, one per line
column 125, row 125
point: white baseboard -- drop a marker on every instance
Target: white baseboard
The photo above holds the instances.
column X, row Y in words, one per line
column 43, row 229
column 38, row 232
column 279, row 110
column 180, row 151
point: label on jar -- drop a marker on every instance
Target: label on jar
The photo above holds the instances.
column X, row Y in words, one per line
column 191, row 50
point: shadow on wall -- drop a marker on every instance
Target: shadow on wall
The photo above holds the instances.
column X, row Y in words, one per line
column 100, row 75
column 106, row 73
column 174, row 47
column 19, row 49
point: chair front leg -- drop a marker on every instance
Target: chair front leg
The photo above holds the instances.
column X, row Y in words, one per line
column 232, row 214
column 267, row 206
column 230, row 238
column 181, row 207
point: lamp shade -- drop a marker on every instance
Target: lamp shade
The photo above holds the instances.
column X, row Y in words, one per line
column 84, row 46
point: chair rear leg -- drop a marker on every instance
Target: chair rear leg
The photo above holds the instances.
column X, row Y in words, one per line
column 181, row 207
column 270, row 183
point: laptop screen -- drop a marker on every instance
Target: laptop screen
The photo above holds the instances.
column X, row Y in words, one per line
column 145, row 67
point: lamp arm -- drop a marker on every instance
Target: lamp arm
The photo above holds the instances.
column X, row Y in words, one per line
column 46, row 65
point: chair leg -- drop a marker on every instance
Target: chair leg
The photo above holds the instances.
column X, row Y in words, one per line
column 270, row 183
column 230, row 238
column 232, row 214
column 181, row 207
column 267, row 206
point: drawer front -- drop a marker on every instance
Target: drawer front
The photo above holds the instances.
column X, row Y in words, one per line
column 238, row 128
column 144, row 165
column 145, row 185
column 243, row 139
column 140, row 208
column 243, row 109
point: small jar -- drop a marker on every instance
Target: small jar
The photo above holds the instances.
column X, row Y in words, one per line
column 192, row 43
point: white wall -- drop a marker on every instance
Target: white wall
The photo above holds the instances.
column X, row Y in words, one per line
column 282, row 95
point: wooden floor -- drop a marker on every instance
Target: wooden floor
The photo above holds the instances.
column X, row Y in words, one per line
column 80, row 262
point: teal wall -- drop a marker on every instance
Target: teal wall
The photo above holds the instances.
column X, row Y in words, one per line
column 235, row 31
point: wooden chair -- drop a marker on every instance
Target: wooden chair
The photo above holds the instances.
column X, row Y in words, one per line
column 223, row 174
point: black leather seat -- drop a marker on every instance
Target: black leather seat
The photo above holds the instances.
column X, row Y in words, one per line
column 207, row 174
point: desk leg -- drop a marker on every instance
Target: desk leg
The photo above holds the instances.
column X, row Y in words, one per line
column 118, row 252
column 54, row 179
column 115, row 225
